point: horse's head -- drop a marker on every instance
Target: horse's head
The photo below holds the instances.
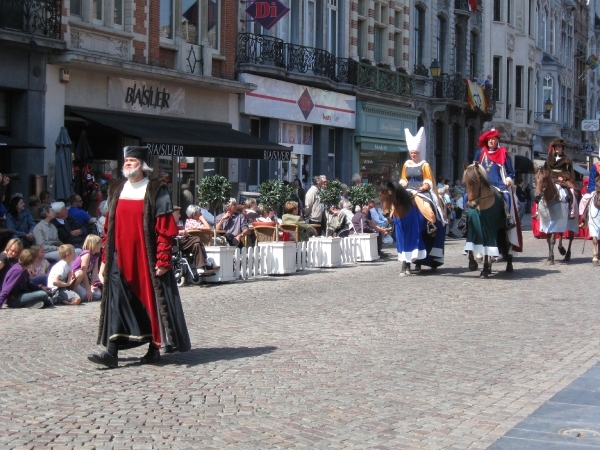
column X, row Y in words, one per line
column 544, row 186
column 392, row 193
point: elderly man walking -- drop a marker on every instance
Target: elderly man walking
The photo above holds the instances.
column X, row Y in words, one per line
column 314, row 207
column 140, row 299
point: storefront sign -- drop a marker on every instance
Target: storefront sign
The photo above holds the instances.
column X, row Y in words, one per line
column 145, row 96
column 266, row 13
column 190, row 150
column 288, row 101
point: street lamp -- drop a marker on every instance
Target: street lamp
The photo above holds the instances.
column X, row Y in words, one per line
column 547, row 109
column 435, row 69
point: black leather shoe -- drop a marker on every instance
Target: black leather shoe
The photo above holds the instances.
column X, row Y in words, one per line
column 105, row 359
column 151, row 357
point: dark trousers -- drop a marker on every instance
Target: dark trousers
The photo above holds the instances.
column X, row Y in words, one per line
column 231, row 240
column 193, row 245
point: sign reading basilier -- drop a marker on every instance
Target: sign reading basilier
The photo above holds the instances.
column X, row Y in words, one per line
column 145, row 96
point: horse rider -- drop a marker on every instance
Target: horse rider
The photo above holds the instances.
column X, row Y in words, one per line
column 560, row 168
column 496, row 162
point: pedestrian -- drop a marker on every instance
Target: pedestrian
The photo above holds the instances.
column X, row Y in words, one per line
column 314, row 207
column 140, row 300
column 521, row 196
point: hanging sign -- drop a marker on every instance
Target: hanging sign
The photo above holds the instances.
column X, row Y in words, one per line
column 266, row 13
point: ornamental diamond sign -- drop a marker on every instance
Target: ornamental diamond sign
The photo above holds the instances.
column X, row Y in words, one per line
column 306, row 104
column 266, row 13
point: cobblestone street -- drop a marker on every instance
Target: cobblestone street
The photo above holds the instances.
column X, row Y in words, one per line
column 353, row 357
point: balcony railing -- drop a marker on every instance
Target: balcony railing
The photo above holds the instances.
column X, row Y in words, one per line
column 38, row 17
column 450, row 86
column 271, row 51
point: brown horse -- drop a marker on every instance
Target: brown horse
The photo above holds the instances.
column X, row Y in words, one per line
column 550, row 206
column 486, row 221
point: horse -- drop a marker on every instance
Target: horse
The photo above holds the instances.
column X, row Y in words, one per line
column 486, row 221
column 593, row 220
column 419, row 233
column 553, row 211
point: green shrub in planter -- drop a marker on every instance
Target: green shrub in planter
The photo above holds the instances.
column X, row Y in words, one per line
column 359, row 195
column 331, row 194
column 214, row 190
column 274, row 194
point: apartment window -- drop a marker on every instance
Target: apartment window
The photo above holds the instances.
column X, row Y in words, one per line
column 380, row 33
column 509, row 11
column 213, row 29
column 473, row 67
column 532, row 15
column 419, row 35
column 563, row 104
column 569, row 121
column 441, row 42
column 190, row 21
column 4, row 124
column 547, row 86
column 362, row 29
column 460, row 49
column 519, row 87
column 508, row 87
column 570, row 46
column 545, row 31
column 97, row 10
column 75, row 8
column 310, row 29
column 332, row 26
column 529, row 93
column 563, row 42
column 552, row 32
column 166, row 19
column 496, row 76
column 497, row 10
column 398, row 38
column 119, row 12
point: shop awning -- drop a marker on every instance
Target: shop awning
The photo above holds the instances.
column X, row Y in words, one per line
column 383, row 145
column 171, row 136
column 582, row 170
column 8, row 142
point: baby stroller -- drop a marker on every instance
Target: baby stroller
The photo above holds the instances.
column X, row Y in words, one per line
column 183, row 265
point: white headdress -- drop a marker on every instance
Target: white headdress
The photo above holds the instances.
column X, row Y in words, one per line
column 418, row 142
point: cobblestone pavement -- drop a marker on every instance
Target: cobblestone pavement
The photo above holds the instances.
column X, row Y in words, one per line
column 352, row 358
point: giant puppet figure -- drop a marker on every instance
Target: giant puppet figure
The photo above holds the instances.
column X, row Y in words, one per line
column 140, row 300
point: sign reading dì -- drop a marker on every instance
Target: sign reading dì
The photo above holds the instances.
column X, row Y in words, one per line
column 266, row 13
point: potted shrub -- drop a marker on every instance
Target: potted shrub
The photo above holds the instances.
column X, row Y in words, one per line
column 383, row 65
column 274, row 194
column 366, row 243
column 402, row 70
column 215, row 190
column 329, row 249
column 366, row 61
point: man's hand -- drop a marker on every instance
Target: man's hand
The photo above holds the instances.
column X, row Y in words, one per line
column 76, row 233
column 88, row 295
column 160, row 271
column 29, row 236
column 5, row 180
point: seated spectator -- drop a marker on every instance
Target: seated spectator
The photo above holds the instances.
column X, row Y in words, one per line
column 34, row 205
column 86, row 267
column 336, row 221
column 267, row 216
column 20, row 221
column 61, row 279
column 45, row 198
column 233, row 223
column 360, row 221
column 376, row 213
column 346, row 207
column 46, row 233
column 251, row 209
column 374, row 223
column 3, row 209
column 38, row 273
column 193, row 244
column 195, row 220
column 17, row 289
column 10, row 256
column 291, row 216
column 75, row 211
column 70, row 231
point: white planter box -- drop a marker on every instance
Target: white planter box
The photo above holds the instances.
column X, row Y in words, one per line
column 329, row 251
column 281, row 257
column 223, row 256
column 366, row 246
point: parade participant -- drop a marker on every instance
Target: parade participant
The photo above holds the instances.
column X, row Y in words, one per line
column 140, row 300
column 498, row 165
column 561, row 171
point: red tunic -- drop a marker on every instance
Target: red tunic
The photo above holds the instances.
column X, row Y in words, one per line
column 131, row 253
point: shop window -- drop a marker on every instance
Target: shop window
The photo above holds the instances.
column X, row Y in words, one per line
column 166, row 19
column 186, row 168
column 213, row 25
column 4, row 123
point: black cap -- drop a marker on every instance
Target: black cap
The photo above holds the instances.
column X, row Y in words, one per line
column 140, row 153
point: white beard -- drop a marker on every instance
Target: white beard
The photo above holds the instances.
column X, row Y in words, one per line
column 132, row 173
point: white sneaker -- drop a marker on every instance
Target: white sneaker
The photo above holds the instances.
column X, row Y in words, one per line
column 36, row 305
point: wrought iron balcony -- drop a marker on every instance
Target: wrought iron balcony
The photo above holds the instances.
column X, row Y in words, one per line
column 271, row 51
column 450, row 87
column 490, row 96
column 38, row 17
